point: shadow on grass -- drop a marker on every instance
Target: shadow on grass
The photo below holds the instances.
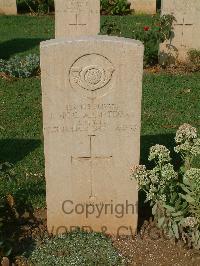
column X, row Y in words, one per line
column 14, row 46
column 16, row 210
column 147, row 141
column 14, row 150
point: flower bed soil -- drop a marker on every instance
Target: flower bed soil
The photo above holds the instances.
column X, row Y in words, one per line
column 150, row 247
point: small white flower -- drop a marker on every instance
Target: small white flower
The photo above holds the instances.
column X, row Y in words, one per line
column 193, row 174
column 151, row 193
column 196, row 148
column 140, row 173
column 185, row 133
column 160, row 153
column 168, row 172
column 154, row 175
column 190, row 222
column 184, row 147
column 163, row 198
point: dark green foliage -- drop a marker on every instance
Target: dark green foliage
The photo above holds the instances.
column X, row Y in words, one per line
column 158, row 4
column 5, row 241
column 14, row 204
column 115, row 7
column 6, row 172
column 13, row 211
column 151, row 34
column 35, row 6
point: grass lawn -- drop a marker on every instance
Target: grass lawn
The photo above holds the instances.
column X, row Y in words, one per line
column 168, row 101
column 22, row 34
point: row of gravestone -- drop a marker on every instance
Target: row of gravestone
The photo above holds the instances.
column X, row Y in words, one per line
column 9, row 7
column 82, row 17
column 91, row 94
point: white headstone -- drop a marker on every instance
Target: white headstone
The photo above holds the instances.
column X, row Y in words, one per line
column 8, row 7
column 185, row 35
column 77, row 17
column 143, row 6
column 91, row 116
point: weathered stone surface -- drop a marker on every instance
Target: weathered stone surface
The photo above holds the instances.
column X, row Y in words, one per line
column 91, row 118
column 143, row 6
column 185, row 35
column 8, row 7
column 77, row 17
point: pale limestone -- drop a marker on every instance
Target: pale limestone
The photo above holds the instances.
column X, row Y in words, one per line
column 91, row 118
column 77, row 17
column 185, row 32
column 143, row 6
column 8, row 7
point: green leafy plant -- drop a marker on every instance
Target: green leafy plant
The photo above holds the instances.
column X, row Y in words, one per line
column 20, row 67
column 174, row 195
column 150, row 35
column 12, row 211
column 115, row 7
column 36, row 6
column 6, row 171
column 76, row 248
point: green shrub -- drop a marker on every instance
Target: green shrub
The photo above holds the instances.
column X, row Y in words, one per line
column 174, row 195
column 115, row 7
column 150, row 35
column 20, row 67
column 6, row 171
column 35, row 6
column 76, row 248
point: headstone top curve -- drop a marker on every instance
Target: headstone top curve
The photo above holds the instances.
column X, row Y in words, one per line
column 91, row 38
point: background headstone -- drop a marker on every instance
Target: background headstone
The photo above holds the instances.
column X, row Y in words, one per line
column 8, row 7
column 143, row 6
column 77, row 17
column 185, row 35
column 91, row 117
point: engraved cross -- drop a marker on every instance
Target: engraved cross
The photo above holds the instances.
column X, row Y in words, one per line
column 77, row 23
column 91, row 159
column 183, row 25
